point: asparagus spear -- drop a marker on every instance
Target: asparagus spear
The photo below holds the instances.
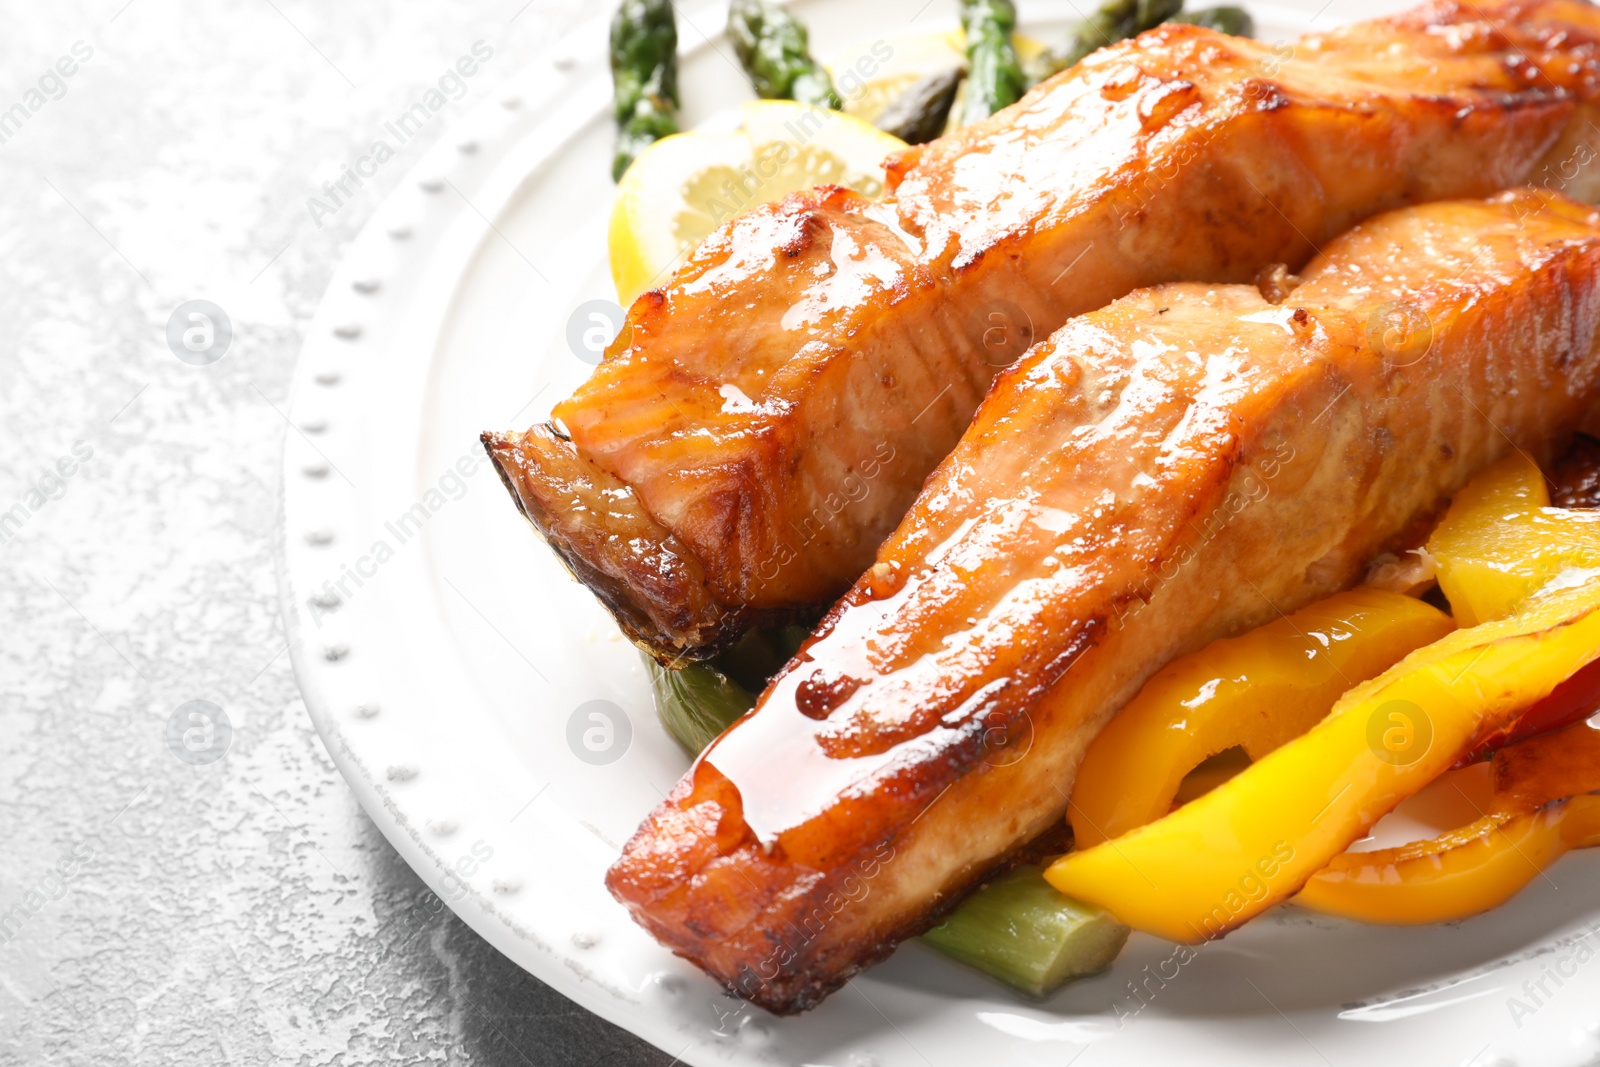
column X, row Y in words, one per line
column 1115, row 20
column 1021, row 930
column 995, row 79
column 771, row 45
column 919, row 114
column 644, row 73
column 698, row 701
column 1017, row 927
column 1233, row 20
column 1149, row 14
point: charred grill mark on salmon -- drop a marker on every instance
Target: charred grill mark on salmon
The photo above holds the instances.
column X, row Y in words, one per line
column 776, row 407
column 1178, row 466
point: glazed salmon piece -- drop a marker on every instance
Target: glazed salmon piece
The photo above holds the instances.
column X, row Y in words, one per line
column 1181, row 465
column 765, row 419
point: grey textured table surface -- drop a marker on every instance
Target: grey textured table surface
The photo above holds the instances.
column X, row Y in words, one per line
column 244, row 911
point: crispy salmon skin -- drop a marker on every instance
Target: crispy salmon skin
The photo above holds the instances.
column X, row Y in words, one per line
column 1183, row 464
column 765, row 418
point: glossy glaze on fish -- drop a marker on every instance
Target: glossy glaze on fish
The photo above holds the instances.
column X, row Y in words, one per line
column 1181, row 465
column 766, row 417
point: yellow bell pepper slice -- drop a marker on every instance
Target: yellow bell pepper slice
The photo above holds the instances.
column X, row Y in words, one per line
column 1256, row 691
column 1460, row 874
column 1256, row 839
column 1555, row 765
column 1500, row 542
column 1482, row 865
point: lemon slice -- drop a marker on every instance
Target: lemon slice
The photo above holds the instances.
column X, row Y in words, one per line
column 684, row 186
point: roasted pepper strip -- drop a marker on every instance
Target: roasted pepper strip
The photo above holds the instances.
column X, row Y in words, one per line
column 1462, row 873
column 1576, row 698
column 1528, row 827
column 1548, row 768
column 1501, row 541
column 1256, row 839
column 1255, row 691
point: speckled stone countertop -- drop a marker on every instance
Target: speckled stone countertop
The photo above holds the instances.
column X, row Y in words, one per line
column 155, row 910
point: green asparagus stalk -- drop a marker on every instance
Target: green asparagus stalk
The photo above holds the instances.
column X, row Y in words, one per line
column 697, row 702
column 1148, row 14
column 644, row 74
column 995, row 79
column 759, row 654
column 1114, row 21
column 1019, row 929
column 1230, row 20
column 771, row 45
column 919, row 114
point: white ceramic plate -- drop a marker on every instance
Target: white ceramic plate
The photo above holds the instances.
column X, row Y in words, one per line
column 452, row 666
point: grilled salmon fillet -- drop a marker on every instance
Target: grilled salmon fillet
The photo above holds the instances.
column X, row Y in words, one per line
column 1186, row 463
column 765, row 418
